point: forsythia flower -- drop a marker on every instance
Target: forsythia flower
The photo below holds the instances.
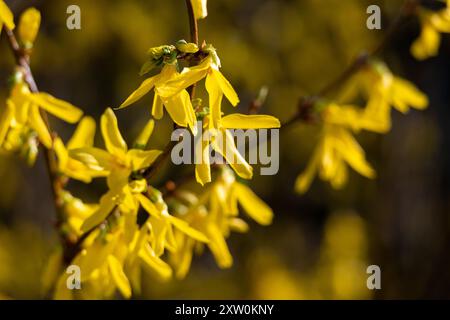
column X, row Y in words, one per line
column 23, row 110
column 178, row 106
column 29, row 24
column 200, row 8
column 336, row 148
column 336, row 145
column 82, row 137
column 76, row 213
column 215, row 213
column 216, row 85
column 222, row 141
column 117, row 246
column 433, row 23
column 6, row 17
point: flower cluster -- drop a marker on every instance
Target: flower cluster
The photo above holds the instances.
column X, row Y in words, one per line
column 337, row 148
column 132, row 228
column 433, row 23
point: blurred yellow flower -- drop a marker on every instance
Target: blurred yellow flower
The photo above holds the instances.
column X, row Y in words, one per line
column 433, row 23
column 336, row 149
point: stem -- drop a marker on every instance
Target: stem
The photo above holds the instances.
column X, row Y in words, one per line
column 193, row 27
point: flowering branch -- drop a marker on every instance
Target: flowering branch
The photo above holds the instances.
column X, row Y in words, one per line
column 23, row 61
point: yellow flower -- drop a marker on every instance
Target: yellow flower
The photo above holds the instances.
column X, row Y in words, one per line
column 29, row 24
column 24, row 111
column 216, row 85
column 200, row 8
column 222, row 141
column 76, row 213
column 6, row 17
column 82, row 137
column 336, row 148
column 382, row 90
column 125, row 191
column 112, row 255
column 215, row 214
column 433, row 23
column 179, row 106
column 394, row 91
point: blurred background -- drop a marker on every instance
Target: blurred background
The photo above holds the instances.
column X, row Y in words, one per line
column 321, row 243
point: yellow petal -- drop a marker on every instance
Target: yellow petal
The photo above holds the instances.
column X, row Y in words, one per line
column 143, row 89
column 119, row 276
column 144, row 136
column 254, row 206
column 6, row 16
column 225, row 86
column 29, row 24
column 148, row 205
column 84, row 134
column 376, row 116
column 185, row 79
column 228, row 150
column 94, row 158
column 304, row 180
column 215, row 101
column 200, row 8
column 141, row 159
column 180, row 109
column 154, row 264
column 238, row 225
column 202, row 169
column 5, row 120
column 243, row 121
column 38, row 125
column 59, row 108
column 184, row 227
column 405, row 94
column 218, row 246
column 157, row 108
column 106, row 206
column 61, row 153
column 114, row 142
column 427, row 45
column 353, row 154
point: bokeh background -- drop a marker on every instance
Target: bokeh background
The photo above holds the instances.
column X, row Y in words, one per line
column 321, row 243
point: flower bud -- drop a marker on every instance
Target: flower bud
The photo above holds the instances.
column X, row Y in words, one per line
column 29, row 24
